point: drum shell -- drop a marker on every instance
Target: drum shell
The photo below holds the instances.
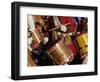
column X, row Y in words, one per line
column 70, row 44
column 60, row 53
column 82, row 42
column 37, row 36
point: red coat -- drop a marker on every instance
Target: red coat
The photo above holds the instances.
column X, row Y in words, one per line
column 65, row 20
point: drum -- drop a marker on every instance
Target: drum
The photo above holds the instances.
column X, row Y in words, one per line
column 37, row 35
column 70, row 44
column 82, row 42
column 60, row 54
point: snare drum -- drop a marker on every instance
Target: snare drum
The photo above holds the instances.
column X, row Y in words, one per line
column 70, row 44
column 60, row 53
column 82, row 42
column 38, row 35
